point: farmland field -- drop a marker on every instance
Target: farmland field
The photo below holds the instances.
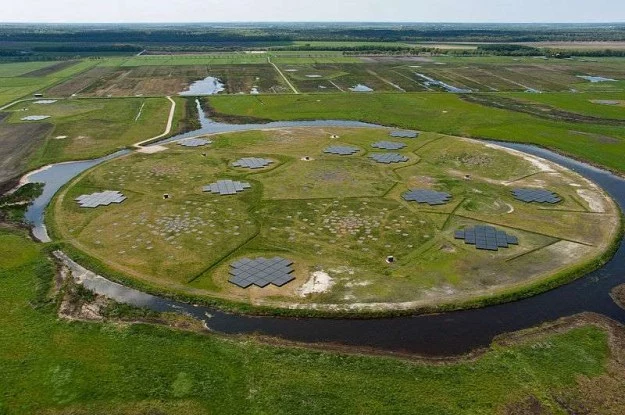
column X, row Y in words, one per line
column 82, row 129
column 333, row 72
column 19, row 141
column 169, row 80
column 15, row 83
column 8, row 70
column 406, row 74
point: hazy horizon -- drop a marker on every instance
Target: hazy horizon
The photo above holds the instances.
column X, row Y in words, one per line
column 320, row 11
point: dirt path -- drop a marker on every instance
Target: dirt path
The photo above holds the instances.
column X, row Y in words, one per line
column 282, row 75
column 337, row 87
column 170, row 121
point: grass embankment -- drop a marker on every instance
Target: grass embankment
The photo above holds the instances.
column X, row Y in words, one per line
column 444, row 113
column 53, row 366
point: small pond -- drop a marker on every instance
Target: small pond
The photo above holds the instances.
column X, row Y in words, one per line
column 596, row 79
column 207, row 86
column 360, row 88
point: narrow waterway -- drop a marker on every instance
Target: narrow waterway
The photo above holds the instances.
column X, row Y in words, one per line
column 54, row 177
column 442, row 334
column 208, row 126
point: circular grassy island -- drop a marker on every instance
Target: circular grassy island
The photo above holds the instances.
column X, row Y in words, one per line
column 435, row 225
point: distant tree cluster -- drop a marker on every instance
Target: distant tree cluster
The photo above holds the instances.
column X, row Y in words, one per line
column 509, row 50
column 177, row 34
column 37, row 42
column 88, row 48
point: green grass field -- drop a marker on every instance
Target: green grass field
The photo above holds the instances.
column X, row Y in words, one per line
column 52, row 366
column 9, row 70
column 341, row 216
column 586, row 103
column 13, row 86
column 93, row 127
column 444, row 113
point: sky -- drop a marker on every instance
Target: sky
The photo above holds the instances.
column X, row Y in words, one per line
column 473, row 11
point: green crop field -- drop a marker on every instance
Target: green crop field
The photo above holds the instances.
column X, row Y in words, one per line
column 8, row 70
column 12, row 88
column 444, row 113
column 340, row 216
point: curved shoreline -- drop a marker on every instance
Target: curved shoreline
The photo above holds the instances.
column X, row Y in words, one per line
column 443, row 334
column 447, row 333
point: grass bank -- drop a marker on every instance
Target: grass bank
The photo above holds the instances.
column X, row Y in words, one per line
column 53, row 366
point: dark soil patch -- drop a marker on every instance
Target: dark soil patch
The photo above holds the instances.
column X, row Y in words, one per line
column 79, row 83
column 191, row 120
column 229, row 119
column 528, row 406
column 17, row 143
column 48, row 70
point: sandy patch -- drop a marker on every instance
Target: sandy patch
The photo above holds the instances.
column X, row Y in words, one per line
column 594, row 200
column 441, row 291
column 319, row 282
column 567, row 251
column 342, row 270
column 357, row 284
column 25, row 179
column 541, row 164
column 151, row 149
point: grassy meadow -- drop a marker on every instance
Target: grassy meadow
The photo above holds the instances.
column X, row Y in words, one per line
column 84, row 129
column 52, row 366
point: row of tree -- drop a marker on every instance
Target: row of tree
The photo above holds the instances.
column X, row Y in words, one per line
column 191, row 34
